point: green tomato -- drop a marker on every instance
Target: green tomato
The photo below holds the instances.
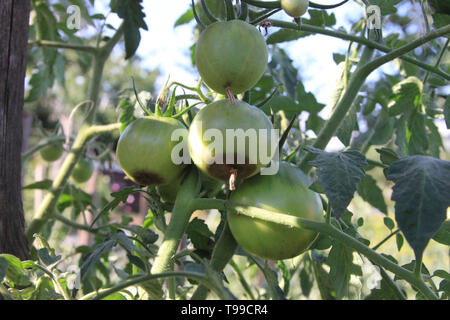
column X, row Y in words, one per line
column 51, row 152
column 215, row 119
column 144, row 150
column 83, row 170
column 295, row 8
column 285, row 192
column 231, row 54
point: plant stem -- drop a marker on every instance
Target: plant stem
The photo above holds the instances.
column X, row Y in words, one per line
column 47, row 206
column 361, row 40
column 242, row 280
column 178, row 222
column 170, row 274
column 323, row 228
column 328, row 216
column 385, row 239
column 41, row 145
column 418, row 268
column 356, row 81
column 441, row 55
column 62, row 45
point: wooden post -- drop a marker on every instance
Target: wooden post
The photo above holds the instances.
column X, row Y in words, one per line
column 14, row 20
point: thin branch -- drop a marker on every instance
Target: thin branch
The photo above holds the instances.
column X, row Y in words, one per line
column 62, row 45
column 361, row 40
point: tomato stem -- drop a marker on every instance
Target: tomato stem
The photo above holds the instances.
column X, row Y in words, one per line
column 230, row 95
column 232, row 180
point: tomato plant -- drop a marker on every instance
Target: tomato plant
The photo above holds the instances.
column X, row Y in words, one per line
column 286, row 192
column 183, row 203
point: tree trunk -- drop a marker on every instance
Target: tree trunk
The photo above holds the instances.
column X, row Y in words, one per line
column 14, row 17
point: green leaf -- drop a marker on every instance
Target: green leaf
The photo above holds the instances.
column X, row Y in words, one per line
column 443, row 234
column 284, row 103
column 47, row 258
column 200, row 235
column 406, row 96
column 115, row 296
column 387, row 7
column 285, row 35
column 307, row 101
column 422, row 196
column 287, row 73
column 338, row 58
column 441, row 20
column 95, row 256
column 389, row 223
column 387, row 156
column 350, row 123
column 339, row 174
column 340, row 260
column 384, row 129
column 370, row 192
column 186, row 17
column 15, row 273
column 131, row 11
column 271, row 278
column 447, row 112
column 399, row 241
column 321, row 18
column 418, row 137
column 306, row 275
column 43, row 185
column 3, row 268
column 324, row 283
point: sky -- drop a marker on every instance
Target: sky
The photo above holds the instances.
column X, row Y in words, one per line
column 167, row 48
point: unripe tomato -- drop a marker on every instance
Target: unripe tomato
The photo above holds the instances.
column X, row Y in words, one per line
column 83, row 170
column 295, row 8
column 144, row 150
column 215, row 119
column 231, row 54
column 285, row 192
column 51, row 152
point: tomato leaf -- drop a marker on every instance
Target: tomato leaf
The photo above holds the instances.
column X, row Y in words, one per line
column 340, row 260
column 387, row 156
column 282, row 64
column 371, row 193
column 186, row 17
column 285, row 35
column 339, row 174
column 386, row 6
column 422, row 196
column 399, row 241
column 406, row 96
column 306, row 275
column 321, row 18
column 443, row 234
column 131, row 11
column 447, row 112
column 200, row 235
